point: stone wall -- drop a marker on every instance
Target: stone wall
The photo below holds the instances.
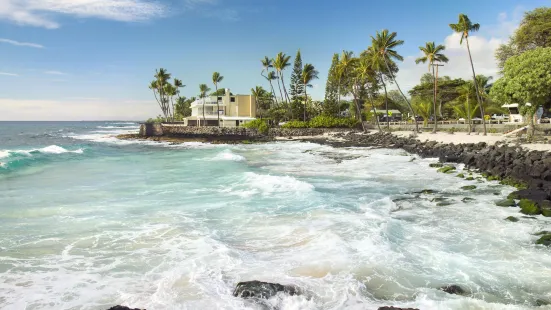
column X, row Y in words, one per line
column 178, row 130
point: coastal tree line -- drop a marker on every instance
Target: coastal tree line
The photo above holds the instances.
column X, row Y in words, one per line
column 357, row 85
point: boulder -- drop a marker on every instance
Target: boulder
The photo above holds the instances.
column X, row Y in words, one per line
column 511, row 219
column 468, row 187
column 544, row 240
column 258, row 289
column 532, row 194
column 446, row 169
column 528, row 207
column 453, row 289
column 545, row 207
column 506, row 203
column 467, row 199
column 436, row 165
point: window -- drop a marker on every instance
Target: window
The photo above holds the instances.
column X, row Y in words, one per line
column 232, row 99
column 219, row 98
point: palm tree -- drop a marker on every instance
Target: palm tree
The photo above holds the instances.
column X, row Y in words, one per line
column 383, row 44
column 217, row 78
column 267, row 63
column 270, row 77
column 366, row 75
column 177, row 85
column 259, row 94
column 281, row 62
column 203, row 90
column 423, row 108
column 346, row 62
column 161, row 78
column 432, row 55
column 464, row 26
column 309, row 73
column 378, row 66
column 466, row 90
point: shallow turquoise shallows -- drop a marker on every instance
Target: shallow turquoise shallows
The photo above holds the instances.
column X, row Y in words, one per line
column 88, row 221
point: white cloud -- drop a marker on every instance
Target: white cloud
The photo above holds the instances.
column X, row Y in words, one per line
column 55, row 73
column 483, row 48
column 17, row 43
column 101, row 109
column 39, row 13
column 8, row 74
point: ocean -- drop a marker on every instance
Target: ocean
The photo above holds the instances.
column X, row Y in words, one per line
column 88, row 221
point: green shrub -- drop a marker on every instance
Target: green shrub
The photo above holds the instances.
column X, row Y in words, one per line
column 259, row 124
column 323, row 121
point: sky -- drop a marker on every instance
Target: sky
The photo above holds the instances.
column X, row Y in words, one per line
column 94, row 59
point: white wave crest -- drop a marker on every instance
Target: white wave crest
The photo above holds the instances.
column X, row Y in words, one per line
column 270, row 184
column 52, row 149
column 228, row 155
column 118, row 127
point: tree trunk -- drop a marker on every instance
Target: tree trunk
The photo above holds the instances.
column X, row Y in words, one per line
column 285, row 89
column 468, row 116
column 399, row 89
column 273, row 92
column 359, row 111
column 386, row 103
column 305, row 101
column 339, row 95
column 375, row 111
column 476, row 88
column 434, row 104
column 217, row 104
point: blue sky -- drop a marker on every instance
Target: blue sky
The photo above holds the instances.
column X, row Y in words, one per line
column 93, row 59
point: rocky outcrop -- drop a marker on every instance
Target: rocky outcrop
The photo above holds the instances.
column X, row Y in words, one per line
column 499, row 161
column 264, row 290
column 453, row 289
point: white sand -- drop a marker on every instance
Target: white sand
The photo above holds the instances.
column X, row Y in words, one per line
column 463, row 137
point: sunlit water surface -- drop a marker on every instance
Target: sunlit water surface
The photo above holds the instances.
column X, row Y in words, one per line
column 88, row 221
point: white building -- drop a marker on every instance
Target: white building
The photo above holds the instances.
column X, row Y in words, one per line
column 233, row 110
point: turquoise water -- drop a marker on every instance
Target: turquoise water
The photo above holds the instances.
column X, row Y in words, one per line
column 88, row 221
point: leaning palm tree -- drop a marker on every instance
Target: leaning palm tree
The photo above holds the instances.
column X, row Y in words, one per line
column 267, row 63
column 162, row 77
column 309, row 73
column 433, row 54
column 464, row 26
column 217, row 78
column 383, row 45
column 203, row 90
column 281, row 62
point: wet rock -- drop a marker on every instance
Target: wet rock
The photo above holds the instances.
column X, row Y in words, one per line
column 436, row 165
column 258, row 289
column 543, row 232
column 468, row 187
column 461, row 175
column 530, row 218
column 123, row 308
column 446, row 169
column 426, row 191
column 443, row 203
column 542, row 302
column 506, row 203
column 532, row 194
column 528, row 207
column 545, row 207
column 469, row 178
column 544, row 240
column 394, row 308
column 453, row 289
column 468, row 199
column 511, row 219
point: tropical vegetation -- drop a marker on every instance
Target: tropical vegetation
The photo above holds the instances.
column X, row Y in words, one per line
column 362, row 87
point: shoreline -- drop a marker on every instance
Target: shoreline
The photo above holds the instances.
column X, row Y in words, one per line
column 506, row 159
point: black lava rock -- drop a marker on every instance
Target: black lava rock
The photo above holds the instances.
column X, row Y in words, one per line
column 453, row 289
column 258, row 289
